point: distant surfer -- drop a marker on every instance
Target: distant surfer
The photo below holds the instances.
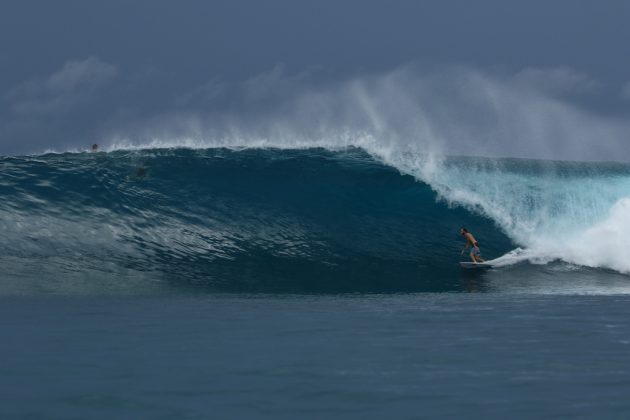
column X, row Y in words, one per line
column 471, row 242
column 139, row 174
column 94, row 148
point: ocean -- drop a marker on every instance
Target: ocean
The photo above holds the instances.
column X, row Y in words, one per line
column 311, row 283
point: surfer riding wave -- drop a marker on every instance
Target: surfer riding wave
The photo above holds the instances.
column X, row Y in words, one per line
column 471, row 242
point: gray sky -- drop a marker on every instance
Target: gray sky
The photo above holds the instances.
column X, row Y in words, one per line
column 76, row 72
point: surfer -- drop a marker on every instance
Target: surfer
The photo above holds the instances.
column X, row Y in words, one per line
column 139, row 174
column 475, row 252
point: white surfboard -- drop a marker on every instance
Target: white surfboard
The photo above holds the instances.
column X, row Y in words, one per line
column 470, row 264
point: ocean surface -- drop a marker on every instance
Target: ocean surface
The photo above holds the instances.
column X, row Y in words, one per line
column 311, row 283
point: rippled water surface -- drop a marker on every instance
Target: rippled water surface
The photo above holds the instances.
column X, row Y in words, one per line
column 234, row 356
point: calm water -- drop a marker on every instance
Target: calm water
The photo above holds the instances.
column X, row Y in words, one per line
column 237, row 356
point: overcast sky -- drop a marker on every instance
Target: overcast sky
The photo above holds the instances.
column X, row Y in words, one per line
column 74, row 72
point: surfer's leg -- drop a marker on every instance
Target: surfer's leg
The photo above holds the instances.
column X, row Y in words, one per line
column 475, row 254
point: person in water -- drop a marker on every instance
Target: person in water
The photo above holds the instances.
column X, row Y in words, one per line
column 475, row 252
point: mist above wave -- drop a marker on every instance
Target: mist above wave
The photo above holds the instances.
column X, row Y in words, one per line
column 441, row 110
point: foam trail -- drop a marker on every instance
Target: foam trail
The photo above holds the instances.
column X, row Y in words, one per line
column 605, row 244
column 602, row 245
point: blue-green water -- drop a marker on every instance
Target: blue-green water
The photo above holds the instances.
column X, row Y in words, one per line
column 217, row 283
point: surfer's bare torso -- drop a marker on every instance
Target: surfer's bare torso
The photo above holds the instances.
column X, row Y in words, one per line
column 471, row 242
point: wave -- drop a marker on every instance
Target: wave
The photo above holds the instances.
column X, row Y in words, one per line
column 297, row 220
column 574, row 212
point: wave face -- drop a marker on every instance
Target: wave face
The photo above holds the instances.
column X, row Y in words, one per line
column 294, row 221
